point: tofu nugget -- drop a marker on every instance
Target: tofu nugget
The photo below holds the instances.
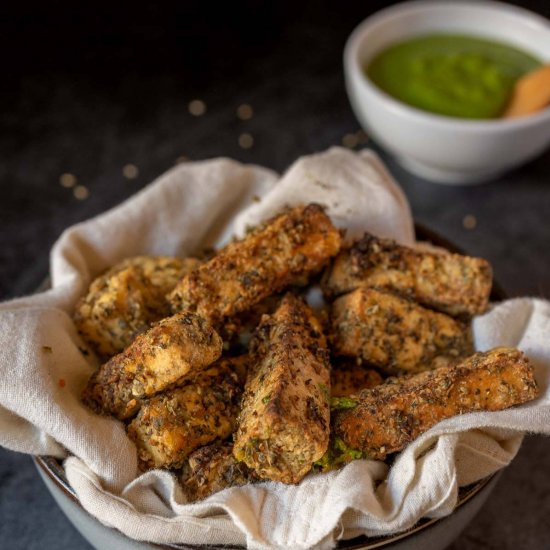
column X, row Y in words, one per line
column 281, row 252
column 173, row 424
column 284, row 423
column 394, row 333
column 174, row 349
column 385, row 419
column 127, row 299
column 350, row 377
column 213, row 468
column 457, row 285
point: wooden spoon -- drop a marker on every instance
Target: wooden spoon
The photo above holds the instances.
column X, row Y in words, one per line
column 531, row 93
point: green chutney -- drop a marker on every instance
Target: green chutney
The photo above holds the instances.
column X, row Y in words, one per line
column 454, row 75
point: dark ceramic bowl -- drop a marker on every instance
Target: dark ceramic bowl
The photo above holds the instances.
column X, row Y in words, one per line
column 428, row 534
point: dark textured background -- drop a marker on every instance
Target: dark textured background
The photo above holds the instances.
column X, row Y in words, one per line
column 87, row 90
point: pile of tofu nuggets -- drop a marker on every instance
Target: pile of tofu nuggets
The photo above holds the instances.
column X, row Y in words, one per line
column 224, row 374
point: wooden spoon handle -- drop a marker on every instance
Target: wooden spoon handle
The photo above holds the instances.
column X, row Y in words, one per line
column 531, row 93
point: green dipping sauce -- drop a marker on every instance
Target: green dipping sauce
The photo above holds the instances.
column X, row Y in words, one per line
column 454, row 75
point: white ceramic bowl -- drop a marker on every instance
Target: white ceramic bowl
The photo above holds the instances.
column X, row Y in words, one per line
column 439, row 148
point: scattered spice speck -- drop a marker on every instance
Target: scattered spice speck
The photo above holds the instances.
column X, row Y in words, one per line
column 469, row 221
column 81, row 192
column 245, row 112
column 362, row 137
column 62, row 383
column 197, row 107
column 246, row 141
column 130, row 171
column 350, row 140
column 255, row 198
column 67, row 180
column 47, row 349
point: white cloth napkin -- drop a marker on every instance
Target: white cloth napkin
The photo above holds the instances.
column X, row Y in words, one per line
column 42, row 370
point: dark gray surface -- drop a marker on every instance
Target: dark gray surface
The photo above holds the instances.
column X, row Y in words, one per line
column 91, row 98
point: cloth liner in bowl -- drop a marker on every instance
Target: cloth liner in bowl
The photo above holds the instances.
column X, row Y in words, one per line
column 200, row 204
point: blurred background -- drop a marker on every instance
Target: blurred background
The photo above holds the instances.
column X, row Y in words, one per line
column 87, row 89
column 96, row 100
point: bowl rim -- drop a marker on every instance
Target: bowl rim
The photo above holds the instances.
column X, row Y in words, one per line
column 52, row 467
column 353, row 66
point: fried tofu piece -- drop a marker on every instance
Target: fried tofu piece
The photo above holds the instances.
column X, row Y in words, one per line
column 451, row 283
column 213, row 468
column 284, row 423
column 283, row 251
column 127, row 299
column 176, row 348
column 394, row 333
column 383, row 420
column 350, row 377
column 171, row 425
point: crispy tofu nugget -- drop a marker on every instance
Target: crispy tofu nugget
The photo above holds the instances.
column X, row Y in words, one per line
column 279, row 253
column 350, row 377
column 127, row 299
column 171, row 425
column 176, row 348
column 385, row 419
column 213, row 468
column 457, row 285
column 394, row 333
column 284, row 423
